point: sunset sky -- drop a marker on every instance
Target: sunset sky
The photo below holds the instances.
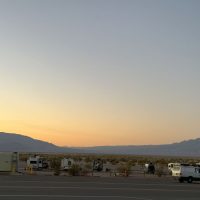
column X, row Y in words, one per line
column 100, row 72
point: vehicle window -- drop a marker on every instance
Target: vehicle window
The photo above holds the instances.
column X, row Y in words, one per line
column 33, row 162
column 197, row 170
column 176, row 168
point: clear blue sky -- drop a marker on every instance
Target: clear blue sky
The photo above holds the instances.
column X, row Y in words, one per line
column 100, row 72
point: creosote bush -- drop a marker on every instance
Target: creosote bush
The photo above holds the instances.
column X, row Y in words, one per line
column 87, row 168
column 55, row 165
column 124, row 169
column 160, row 171
column 74, row 170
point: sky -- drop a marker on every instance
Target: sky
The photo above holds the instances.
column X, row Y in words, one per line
column 100, row 72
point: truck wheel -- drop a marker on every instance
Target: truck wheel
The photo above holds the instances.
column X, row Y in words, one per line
column 181, row 180
column 190, row 179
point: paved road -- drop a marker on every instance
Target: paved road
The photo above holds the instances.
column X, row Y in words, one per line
column 95, row 188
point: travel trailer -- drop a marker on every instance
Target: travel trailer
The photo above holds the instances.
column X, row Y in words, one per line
column 9, row 161
column 186, row 173
column 36, row 162
column 172, row 165
column 66, row 163
column 98, row 165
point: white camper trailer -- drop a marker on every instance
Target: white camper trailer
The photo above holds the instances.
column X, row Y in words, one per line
column 66, row 163
column 186, row 173
column 9, row 161
column 37, row 163
column 172, row 165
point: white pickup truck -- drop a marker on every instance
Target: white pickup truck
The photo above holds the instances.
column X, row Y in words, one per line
column 186, row 173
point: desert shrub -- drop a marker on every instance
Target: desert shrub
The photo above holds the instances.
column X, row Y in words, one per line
column 123, row 159
column 124, row 169
column 88, row 159
column 143, row 161
column 55, row 165
column 162, row 161
column 131, row 163
column 77, row 158
column 87, row 168
column 74, row 170
column 159, row 171
column 114, row 161
column 23, row 157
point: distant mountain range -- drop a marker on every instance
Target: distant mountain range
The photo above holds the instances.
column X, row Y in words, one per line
column 21, row 143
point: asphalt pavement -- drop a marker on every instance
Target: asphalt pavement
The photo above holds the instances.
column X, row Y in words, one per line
column 23, row 187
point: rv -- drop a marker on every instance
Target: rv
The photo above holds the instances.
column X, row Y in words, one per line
column 66, row 163
column 186, row 173
column 9, row 161
column 172, row 165
column 98, row 165
column 37, row 163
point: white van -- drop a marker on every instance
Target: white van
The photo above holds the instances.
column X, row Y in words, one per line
column 186, row 173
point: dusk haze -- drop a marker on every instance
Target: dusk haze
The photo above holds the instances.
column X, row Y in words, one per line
column 82, row 73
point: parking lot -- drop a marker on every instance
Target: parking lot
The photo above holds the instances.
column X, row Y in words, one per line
column 21, row 187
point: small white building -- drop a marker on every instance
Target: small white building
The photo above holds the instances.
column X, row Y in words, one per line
column 9, row 161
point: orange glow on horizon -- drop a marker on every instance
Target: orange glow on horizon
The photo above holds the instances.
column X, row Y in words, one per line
column 82, row 139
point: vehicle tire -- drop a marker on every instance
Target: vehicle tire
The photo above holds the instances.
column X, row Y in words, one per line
column 190, row 179
column 181, row 180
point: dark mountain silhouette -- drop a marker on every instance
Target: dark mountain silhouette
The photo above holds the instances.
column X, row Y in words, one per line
column 20, row 143
column 185, row 148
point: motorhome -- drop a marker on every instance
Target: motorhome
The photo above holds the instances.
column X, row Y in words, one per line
column 186, row 173
column 36, row 162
